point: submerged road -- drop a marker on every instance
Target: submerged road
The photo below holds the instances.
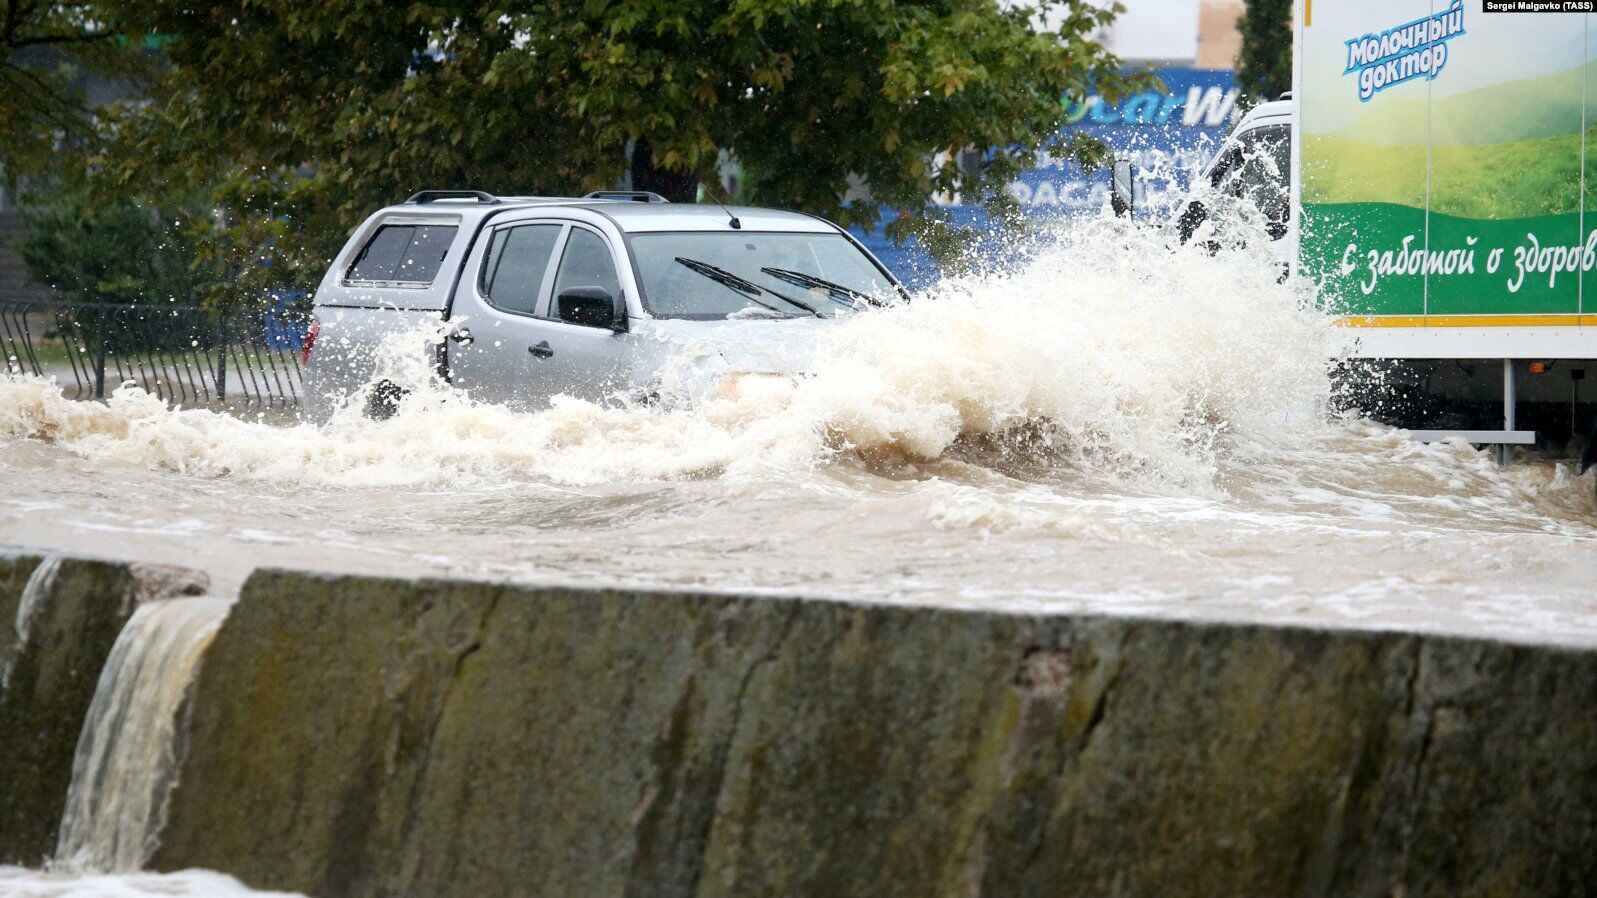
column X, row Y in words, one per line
column 1105, row 429
column 1367, row 530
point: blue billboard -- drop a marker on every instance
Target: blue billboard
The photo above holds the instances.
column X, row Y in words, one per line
column 1168, row 136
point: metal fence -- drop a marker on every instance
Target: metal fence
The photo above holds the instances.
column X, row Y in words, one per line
column 181, row 353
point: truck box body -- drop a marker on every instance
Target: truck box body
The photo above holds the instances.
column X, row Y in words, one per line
column 1440, row 156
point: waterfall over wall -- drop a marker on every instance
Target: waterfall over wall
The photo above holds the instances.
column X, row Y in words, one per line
column 59, row 618
column 358, row 736
column 39, row 583
column 127, row 758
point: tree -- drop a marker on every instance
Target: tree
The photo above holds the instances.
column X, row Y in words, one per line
column 301, row 118
column 44, row 48
column 118, row 251
column 1264, row 64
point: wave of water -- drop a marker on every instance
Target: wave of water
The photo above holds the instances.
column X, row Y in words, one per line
column 1117, row 424
column 1109, row 351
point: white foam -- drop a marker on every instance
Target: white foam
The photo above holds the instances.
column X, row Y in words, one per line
column 17, row 882
column 1118, row 424
column 1091, row 354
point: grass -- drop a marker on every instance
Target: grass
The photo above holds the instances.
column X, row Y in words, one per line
column 1521, row 179
column 49, row 353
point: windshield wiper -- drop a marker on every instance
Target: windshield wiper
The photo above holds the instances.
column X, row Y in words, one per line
column 728, row 280
column 834, row 290
column 747, row 288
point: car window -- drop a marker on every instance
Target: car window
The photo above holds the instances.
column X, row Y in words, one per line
column 404, row 254
column 517, row 262
column 1228, row 161
column 428, row 247
column 586, row 262
column 1266, row 157
column 1262, row 172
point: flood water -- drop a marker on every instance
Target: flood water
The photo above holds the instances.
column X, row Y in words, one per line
column 1117, row 427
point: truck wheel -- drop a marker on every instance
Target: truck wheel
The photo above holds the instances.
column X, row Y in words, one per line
column 1589, row 457
column 382, row 402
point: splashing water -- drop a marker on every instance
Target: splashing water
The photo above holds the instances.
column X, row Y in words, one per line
column 1086, row 355
column 1116, row 424
column 128, row 753
column 40, row 582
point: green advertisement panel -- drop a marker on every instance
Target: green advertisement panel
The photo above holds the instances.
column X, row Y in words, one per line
column 1588, row 277
column 1441, row 158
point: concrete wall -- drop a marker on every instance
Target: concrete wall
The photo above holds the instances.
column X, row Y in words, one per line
column 74, row 623
column 358, row 736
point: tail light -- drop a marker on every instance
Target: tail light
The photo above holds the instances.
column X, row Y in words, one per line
column 310, row 340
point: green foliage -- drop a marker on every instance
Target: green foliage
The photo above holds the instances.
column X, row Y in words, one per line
column 45, row 48
column 117, row 251
column 1264, row 64
column 301, row 118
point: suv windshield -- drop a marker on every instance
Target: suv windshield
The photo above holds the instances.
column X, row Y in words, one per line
column 720, row 274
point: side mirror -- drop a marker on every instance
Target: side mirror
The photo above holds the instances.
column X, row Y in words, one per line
column 592, row 307
column 1122, row 188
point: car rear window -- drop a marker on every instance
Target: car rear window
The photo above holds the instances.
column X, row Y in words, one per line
column 403, row 254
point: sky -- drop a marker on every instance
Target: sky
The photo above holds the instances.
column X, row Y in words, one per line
column 1154, row 29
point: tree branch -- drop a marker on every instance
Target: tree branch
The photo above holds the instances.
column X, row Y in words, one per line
column 55, row 106
column 14, row 12
column 60, row 39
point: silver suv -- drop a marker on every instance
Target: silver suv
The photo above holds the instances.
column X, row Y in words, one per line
column 615, row 294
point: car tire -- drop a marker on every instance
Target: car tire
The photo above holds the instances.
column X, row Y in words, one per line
column 383, row 401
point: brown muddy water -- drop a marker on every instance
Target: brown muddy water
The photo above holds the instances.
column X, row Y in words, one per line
column 1115, row 427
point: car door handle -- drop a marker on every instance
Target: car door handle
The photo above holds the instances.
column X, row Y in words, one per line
column 542, row 349
column 462, row 336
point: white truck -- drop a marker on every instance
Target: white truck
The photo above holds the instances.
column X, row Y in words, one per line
column 1437, row 197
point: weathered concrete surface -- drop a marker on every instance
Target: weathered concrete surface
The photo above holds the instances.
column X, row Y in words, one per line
column 354, row 736
column 74, row 622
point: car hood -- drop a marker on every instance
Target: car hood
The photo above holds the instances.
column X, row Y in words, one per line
column 778, row 346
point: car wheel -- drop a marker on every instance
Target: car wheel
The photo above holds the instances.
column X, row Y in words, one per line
column 383, row 401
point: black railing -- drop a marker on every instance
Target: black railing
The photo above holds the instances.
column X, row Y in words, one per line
column 184, row 354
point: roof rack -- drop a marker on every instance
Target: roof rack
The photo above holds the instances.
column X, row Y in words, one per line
column 433, row 196
column 636, row 196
